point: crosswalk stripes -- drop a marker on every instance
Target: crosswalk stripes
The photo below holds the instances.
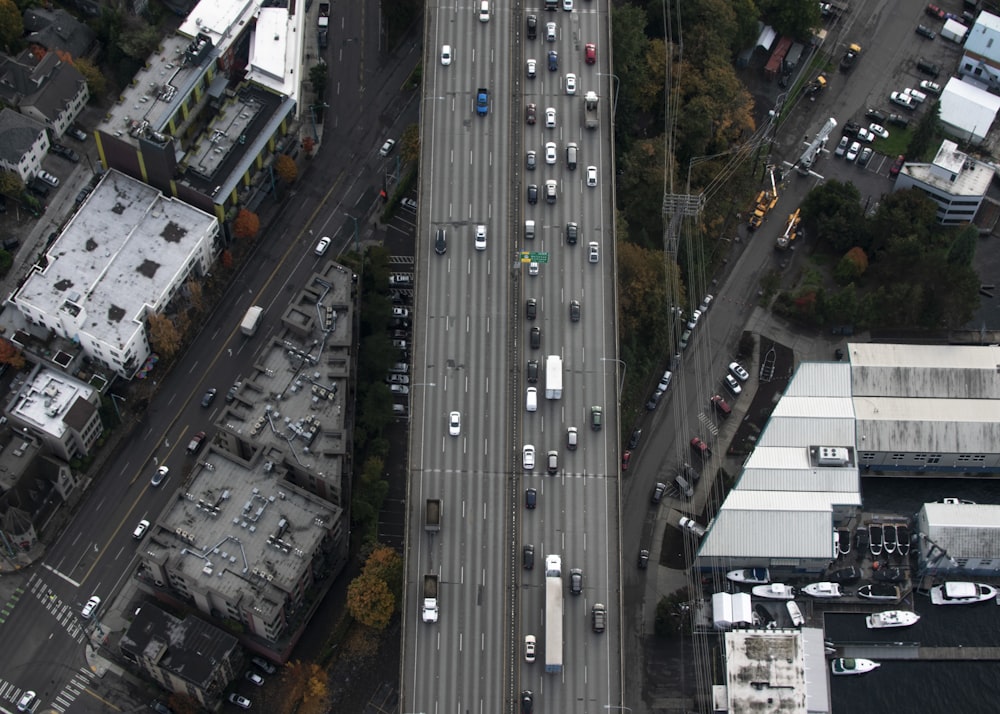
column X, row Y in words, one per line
column 707, row 422
column 74, row 688
column 62, row 611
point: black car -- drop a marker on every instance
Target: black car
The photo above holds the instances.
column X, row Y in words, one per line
column 643, row 559
column 529, row 557
column 851, row 128
column 531, row 309
column 899, row 120
column 654, row 400
column 536, row 338
column 527, row 701
column 575, row 581
column 571, row 233
column 926, row 32
column 11, row 244
column 532, row 371
column 574, row 311
column 532, row 27
column 441, row 242
column 876, row 116
column 75, row 133
column 928, row 67
column 658, row 490
column 206, row 401
column 532, row 193
column 65, row 152
column 633, row 440
column 233, row 390
column 530, row 498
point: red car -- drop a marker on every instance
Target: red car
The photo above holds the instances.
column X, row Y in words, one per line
column 700, row 448
column 934, row 11
column 626, row 457
column 590, row 53
column 897, row 165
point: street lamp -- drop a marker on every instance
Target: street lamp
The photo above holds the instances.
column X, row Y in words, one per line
column 621, row 382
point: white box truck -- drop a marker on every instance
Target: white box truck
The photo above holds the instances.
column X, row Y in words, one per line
column 553, row 377
column 251, row 321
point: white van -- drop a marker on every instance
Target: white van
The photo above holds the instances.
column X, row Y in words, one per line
column 531, row 402
column 572, row 151
column 529, row 230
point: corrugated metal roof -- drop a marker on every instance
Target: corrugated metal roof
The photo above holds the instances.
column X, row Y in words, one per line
column 821, row 502
column 820, row 379
column 739, row 533
column 968, row 429
column 937, row 371
column 806, row 406
column 964, row 530
column 806, row 431
column 844, row 481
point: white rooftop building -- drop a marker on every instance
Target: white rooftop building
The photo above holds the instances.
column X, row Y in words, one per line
column 125, row 255
column 955, row 181
column 980, row 63
column 959, row 539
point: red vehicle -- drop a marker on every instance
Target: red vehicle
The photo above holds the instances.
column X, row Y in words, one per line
column 626, row 457
column 897, row 165
column 934, row 11
column 700, row 448
column 590, row 53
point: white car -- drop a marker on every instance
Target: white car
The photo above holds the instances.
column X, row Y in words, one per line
column 865, row 135
column 480, row 237
column 26, row 701
column 323, row 244
column 550, row 118
column 446, row 55
column 532, row 66
column 932, row 87
column 532, row 268
column 550, row 152
column 550, row 31
column 571, row 83
column 387, row 147
column 733, row 385
column 595, row 252
column 140, row 530
column 484, row 11
column 901, row 99
column 528, row 457
column 695, row 316
column 852, row 153
column 160, row 475
column 239, row 700
column 842, row 146
column 529, row 648
column 255, row 678
column 90, row 608
column 737, row 371
column 691, row 525
column 48, row 178
column 878, row 130
column 592, row 176
column 455, row 423
column 568, row 5
column 401, row 312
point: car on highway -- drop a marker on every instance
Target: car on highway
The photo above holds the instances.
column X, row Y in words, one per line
column 575, row 581
column 197, row 441
column 532, row 193
column 626, row 457
column 531, row 160
column 531, row 308
column 553, row 61
column 552, row 462
column 482, row 102
column 598, row 617
column 590, row 53
column 878, row 130
column 550, row 31
column 568, row 5
column 140, row 530
column 533, row 268
column 527, row 701
column 528, row 556
column 387, row 147
column 852, row 153
column 658, row 490
column 925, row 31
column 531, row 66
column 160, row 475
column 570, row 83
column 480, row 241
column 550, row 118
column 531, row 371
column 455, row 423
column 550, row 152
column 574, row 310
column 239, row 700
column 551, row 189
column 90, row 608
column 528, row 457
column 737, row 371
column 733, row 385
column 572, row 231
column 322, row 246
column 596, row 418
column 532, row 21
column 441, row 241
column 594, row 252
column 209, row 397
column 446, row 55
column 530, row 499
column 529, row 648
column 591, row 176
column 529, row 113
column 254, row 678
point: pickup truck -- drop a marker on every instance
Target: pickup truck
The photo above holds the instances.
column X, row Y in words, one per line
column 482, row 101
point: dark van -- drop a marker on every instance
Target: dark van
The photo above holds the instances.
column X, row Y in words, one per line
column 928, row 67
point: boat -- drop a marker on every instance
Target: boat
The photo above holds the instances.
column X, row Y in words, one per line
column 875, row 539
column 903, row 540
column 961, row 593
column 750, row 576
column 823, row 590
column 888, row 575
column 891, row 618
column 774, row 591
column 889, row 538
column 845, row 575
column 861, row 538
column 795, row 613
column 957, row 502
column 847, row 665
column 844, row 542
column 764, row 615
column 880, row 591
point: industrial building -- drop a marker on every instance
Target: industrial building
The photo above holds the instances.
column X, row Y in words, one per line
column 959, row 539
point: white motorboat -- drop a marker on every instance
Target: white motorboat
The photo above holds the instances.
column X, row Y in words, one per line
column 961, row 593
column 750, row 576
column 795, row 613
column 903, row 534
column 847, row 665
column 891, row 618
column 875, row 539
column 774, row 591
column 823, row 590
column 880, row 591
column 889, row 538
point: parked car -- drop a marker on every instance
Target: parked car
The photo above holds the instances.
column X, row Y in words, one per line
column 927, row 32
column 841, row 149
column 700, row 447
column 875, row 115
column 897, row 165
column 737, row 369
column 865, row 156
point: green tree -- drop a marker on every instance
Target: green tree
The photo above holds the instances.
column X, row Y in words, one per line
column 11, row 26
column 851, row 267
column 97, row 83
column 963, row 248
column 10, row 183
column 317, row 78
column 791, row 17
column 925, row 139
column 139, row 40
column 832, row 212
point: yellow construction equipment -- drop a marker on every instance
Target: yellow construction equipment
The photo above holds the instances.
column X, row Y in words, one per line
column 766, row 200
column 792, row 231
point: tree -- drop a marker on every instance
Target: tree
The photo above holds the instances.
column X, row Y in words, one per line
column 832, row 212
column 226, row 258
column 139, row 39
column 246, row 224
column 851, row 267
column 97, row 83
column 11, row 26
column 317, row 77
column 370, row 602
column 10, row 183
column 791, row 17
column 925, row 134
column 963, row 248
column 409, row 148
column 9, row 354
column 286, row 169
column 195, row 294
column 163, row 335
column 385, row 564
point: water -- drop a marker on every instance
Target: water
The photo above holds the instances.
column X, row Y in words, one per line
column 919, row 686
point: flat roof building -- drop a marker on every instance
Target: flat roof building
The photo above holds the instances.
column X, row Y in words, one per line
column 955, row 181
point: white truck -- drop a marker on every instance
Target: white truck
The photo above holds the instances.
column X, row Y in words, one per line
column 590, row 118
column 430, row 612
column 553, row 614
column 553, row 377
column 251, row 321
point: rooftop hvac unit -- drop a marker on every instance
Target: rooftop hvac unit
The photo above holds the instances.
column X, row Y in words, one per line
column 833, row 456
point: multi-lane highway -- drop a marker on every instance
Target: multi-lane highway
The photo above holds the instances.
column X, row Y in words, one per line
column 473, row 344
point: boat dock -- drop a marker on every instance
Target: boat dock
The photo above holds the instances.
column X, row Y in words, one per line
column 916, row 651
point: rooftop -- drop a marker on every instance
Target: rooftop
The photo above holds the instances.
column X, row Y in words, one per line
column 47, row 400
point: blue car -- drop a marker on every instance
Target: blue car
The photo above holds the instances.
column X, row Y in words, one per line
column 482, row 101
column 553, row 61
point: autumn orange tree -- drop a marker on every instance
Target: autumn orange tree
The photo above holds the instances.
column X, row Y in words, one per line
column 9, row 354
column 852, row 266
column 286, row 169
column 164, row 336
column 246, row 225
column 305, row 688
column 373, row 596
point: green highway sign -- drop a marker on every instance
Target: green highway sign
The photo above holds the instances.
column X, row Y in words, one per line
column 527, row 257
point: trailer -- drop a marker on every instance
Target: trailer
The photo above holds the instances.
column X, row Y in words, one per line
column 590, row 118
column 430, row 608
column 251, row 321
column 432, row 515
column 955, row 31
column 553, row 377
column 553, row 614
column 773, row 67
